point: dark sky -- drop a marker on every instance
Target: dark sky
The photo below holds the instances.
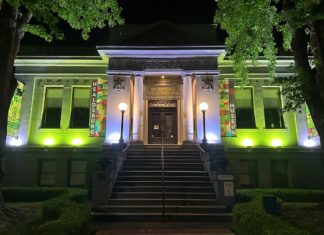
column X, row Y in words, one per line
column 141, row 12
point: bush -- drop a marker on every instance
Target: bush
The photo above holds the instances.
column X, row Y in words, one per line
column 31, row 194
column 250, row 218
column 64, row 210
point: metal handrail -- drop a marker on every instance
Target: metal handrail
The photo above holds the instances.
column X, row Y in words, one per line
column 163, row 184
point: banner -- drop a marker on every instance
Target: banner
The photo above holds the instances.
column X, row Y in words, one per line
column 312, row 132
column 98, row 114
column 227, row 108
column 14, row 111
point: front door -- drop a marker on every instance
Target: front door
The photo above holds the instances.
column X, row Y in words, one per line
column 162, row 119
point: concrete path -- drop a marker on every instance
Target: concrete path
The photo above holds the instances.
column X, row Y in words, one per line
column 161, row 228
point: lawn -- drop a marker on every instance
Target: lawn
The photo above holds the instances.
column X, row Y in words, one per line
column 306, row 216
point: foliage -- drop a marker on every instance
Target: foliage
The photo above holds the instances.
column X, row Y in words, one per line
column 35, row 194
column 79, row 14
column 250, row 218
column 251, row 26
column 64, row 210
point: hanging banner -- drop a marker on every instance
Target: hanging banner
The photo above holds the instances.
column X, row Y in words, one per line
column 312, row 132
column 14, row 112
column 98, row 114
column 227, row 108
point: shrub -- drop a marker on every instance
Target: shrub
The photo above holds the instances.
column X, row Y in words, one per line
column 250, row 218
column 31, row 194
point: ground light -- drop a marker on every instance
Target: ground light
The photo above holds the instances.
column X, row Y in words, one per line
column 309, row 143
column 15, row 142
column 276, row 143
column 77, row 142
column 247, row 142
column 49, row 141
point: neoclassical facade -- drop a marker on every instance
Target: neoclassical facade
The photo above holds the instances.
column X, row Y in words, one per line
column 69, row 111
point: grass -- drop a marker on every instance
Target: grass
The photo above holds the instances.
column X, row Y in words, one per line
column 33, row 217
column 306, row 216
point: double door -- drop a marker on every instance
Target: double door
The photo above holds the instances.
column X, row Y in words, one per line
column 162, row 126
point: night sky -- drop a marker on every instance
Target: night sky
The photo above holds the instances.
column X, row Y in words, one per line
column 140, row 12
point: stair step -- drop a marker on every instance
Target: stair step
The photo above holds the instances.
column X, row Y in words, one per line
column 159, row 178
column 157, row 217
column 158, row 172
column 166, row 167
column 148, row 201
column 159, row 189
column 166, row 183
column 168, row 195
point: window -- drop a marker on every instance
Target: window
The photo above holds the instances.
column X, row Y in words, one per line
column 244, row 108
column 80, row 107
column 279, row 174
column 248, row 174
column 47, row 172
column 272, row 108
column 52, row 107
column 78, row 170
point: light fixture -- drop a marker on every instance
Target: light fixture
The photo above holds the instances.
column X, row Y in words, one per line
column 122, row 107
column 211, row 138
column 162, row 76
column 49, row 141
column 276, row 143
column 203, row 106
column 15, row 142
column 309, row 143
column 77, row 142
column 247, row 142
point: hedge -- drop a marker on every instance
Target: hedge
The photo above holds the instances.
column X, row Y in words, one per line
column 64, row 210
column 250, row 218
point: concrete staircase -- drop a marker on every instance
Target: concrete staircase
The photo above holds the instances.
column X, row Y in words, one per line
column 189, row 194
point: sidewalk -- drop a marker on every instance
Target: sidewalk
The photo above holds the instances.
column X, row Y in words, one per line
column 159, row 228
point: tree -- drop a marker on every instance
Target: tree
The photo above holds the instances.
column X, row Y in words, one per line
column 252, row 26
column 15, row 18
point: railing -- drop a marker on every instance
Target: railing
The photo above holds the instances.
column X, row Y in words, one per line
column 163, row 183
column 120, row 162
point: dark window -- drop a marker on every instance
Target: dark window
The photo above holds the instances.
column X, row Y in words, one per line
column 80, row 108
column 244, row 108
column 47, row 172
column 248, row 174
column 279, row 174
column 78, row 170
column 273, row 114
column 52, row 107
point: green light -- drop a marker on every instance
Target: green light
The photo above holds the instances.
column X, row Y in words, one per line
column 48, row 141
column 247, row 142
column 276, row 143
column 77, row 141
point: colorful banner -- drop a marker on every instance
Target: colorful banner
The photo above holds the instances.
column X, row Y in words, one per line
column 14, row 111
column 312, row 132
column 227, row 108
column 98, row 114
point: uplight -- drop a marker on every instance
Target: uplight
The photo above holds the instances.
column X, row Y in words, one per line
column 15, row 142
column 309, row 143
column 77, row 141
column 113, row 138
column 49, row 141
column 247, row 142
column 211, row 138
column 276, row 143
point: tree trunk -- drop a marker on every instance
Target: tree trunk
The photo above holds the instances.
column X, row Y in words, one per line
column 12, row 23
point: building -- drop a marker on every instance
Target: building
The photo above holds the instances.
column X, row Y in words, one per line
column 163, row 72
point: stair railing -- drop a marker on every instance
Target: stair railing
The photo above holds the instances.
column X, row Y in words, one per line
column 163, row 183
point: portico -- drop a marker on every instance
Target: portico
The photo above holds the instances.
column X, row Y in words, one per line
column 163, row 86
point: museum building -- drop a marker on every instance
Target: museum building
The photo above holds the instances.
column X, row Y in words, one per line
column 160, row 80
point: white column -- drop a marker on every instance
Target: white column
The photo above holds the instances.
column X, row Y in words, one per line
column 138, row 109
column 187, row 109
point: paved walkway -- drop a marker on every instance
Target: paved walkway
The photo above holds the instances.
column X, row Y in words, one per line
column 161, row 228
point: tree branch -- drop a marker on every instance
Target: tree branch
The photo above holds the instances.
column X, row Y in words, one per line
column 23, row 21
